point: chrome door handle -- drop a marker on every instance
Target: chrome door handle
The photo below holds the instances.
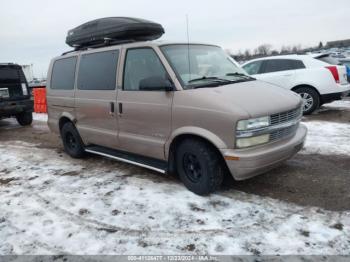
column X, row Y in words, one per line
column 111, row 110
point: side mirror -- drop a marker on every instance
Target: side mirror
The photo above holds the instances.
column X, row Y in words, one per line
column 155, row 83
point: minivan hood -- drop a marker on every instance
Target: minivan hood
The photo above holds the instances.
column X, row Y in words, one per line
column 256, row 98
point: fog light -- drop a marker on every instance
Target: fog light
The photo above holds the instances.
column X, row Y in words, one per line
column 252, row 141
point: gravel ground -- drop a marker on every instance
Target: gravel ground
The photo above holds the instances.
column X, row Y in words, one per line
column 52, row 204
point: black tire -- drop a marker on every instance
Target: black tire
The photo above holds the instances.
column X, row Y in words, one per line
column 25, row 118
column 199, row 166
column 73, row 145
column 310, row 98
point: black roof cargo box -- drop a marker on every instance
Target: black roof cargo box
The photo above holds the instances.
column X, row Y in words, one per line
column 113, row 29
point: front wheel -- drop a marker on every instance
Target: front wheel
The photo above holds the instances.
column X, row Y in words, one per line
column 25, row 118
column 199, row 166
column 311, row 99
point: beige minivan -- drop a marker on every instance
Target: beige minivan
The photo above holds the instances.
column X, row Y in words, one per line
column 180, row 108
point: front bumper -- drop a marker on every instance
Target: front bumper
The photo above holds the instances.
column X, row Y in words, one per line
column 246, row 163
column 12, row 108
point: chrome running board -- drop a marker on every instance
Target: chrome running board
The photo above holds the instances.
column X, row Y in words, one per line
column 141, row 161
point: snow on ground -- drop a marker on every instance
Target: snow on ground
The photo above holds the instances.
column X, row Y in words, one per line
column 40, row 117
column 344, row 104
column 52, row 204
column 327, row 138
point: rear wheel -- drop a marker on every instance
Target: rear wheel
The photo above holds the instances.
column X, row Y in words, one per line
column 199, row 166
column 311, row 99
column 72, row 142
column 25, row 118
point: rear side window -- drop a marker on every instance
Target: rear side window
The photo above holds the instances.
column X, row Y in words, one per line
column 63, row 73
column 98, row 71
column 298, row 64
column 253, row 68
column 276, row 65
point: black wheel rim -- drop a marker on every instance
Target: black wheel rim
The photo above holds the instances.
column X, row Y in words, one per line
column 71, row 142
column 192, row 167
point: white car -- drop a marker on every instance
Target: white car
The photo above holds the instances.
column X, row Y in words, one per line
column 317, row 82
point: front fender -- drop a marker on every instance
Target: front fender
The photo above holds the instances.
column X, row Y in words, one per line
column 196, row 131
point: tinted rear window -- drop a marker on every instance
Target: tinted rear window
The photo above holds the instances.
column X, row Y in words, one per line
column 98, row 71
column 276, row 65
column 10, row 75
column 63, row 74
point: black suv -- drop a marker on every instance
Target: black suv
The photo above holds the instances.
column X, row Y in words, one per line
column 15, row 98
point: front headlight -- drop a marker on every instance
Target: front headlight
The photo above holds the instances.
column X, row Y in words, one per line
column 252, row 141
column 254, row 123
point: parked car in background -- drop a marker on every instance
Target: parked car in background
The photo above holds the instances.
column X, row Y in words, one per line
column 316, row 81
column 148, row 104
column 346, row 62
column 37, row 83
column 15, row 98
column 328, row 58
column 34, row 82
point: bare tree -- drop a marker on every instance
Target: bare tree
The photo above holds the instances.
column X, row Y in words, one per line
column 296, row 48
column 247, row 54
column 264, row 49
column 285, row 50
column 274, row 52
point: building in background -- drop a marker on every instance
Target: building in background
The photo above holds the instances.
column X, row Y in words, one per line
column 339, row 43
column 28, row 72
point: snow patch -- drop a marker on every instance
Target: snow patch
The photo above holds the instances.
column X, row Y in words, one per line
column 57, row 205
column 340, row 104
column 327, row 138
column 42, row 117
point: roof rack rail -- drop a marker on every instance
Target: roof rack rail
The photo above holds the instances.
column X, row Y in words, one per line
column 107, row 42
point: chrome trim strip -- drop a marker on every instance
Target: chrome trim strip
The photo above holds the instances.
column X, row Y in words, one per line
column 266, row 130
column 126, row 161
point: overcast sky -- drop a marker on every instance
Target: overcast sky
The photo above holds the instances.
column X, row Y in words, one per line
column 34, row 31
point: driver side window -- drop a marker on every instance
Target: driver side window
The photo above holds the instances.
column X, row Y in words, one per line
column 253, row 68
column 141, row 64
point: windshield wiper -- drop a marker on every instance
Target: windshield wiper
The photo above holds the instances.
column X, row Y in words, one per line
column 209, row 78
column 240, row 75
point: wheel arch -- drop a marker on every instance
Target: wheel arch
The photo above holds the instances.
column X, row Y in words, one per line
column 308, row 86
column 65, row 118
column 319, row 102
column 213, row 141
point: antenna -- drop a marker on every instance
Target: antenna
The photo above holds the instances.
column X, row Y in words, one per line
column 188, row 48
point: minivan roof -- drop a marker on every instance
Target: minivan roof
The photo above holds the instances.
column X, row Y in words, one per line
column 136, row 44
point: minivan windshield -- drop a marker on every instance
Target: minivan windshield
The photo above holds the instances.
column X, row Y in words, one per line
column 203, row 65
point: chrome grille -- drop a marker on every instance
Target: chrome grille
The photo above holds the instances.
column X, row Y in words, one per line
column 283, row 133
column 285, row 116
